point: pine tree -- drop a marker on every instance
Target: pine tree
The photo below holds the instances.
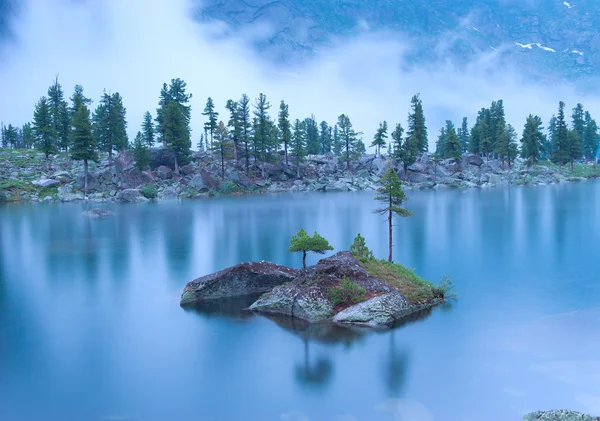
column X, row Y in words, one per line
column 245, row 127
column 28, row 136
column 3, row 141
column 235, row 129
column 532, row 140
column 463, row 135
column 560, row 145
column 575, row 149
column 301, row 242
column 298, row 145
column 477, row 132
column 578, row 118
column 547, row 150
column 452, row 146
column 84, row 145
column 284, row 128
column 11, row 136
column 262, row 131
column 379, row 140
column 502, row 145
column 222, row 145
column 110, row 124
column 213, row 117
column 325, row 137
column 311, row 134
column 59, row 111
column 148, row 130
column 176, row 134
column 337, row 145
column 497, row 124
column 348, row 137
column 513, row 148
column 175, row 92
column 391, row 195
column 590, row 138
column 140, row 152
column 440, row 144
column 407, row 151
column 486, row 144
column 416, row 124
column 43, row 129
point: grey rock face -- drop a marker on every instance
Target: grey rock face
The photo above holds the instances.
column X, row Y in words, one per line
column 45, row 182
column 378, row 311
column 472, row 159
column 559, row 415
column 67, row 194
column 164, row 157
column 164, row 173
column 130, row 196
column 243, row 279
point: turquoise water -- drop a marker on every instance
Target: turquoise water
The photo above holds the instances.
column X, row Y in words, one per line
column 91, row 328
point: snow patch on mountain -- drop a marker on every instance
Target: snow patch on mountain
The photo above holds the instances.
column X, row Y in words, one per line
column 567, row 4
column 538, row 45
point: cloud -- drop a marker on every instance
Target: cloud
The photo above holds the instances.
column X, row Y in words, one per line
column 134, row 46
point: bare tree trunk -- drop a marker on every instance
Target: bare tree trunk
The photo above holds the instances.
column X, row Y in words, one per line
column 286, row 156
column 85, row 176
column 222, row 163
column 176, row 162
column 390, row 228
column 235, row 157
column 304, row 259
column 298, row 170
column 110, row 160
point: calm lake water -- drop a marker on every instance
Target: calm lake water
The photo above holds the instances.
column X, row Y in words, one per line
column 91, row 328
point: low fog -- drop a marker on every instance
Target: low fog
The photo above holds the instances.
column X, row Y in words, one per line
column 134, row 46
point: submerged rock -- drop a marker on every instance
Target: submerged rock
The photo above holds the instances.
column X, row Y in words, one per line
column 559, row 415
column 97, row 213
column 243, row 279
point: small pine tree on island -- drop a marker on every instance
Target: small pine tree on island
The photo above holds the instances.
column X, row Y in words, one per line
column 140, row 152
column 392, row 196
column 84, row 143
column 301, row 242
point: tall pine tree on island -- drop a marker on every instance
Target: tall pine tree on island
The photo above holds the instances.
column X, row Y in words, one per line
column 590, row 138
column 348, row 138
column 337, row 146
column 212, row 118
column 245, row 123
column 560, row 145
column 235, row 128
column 463, row 135
column 416, row 124
column 325, row 137
column 440, row 143
column 176, row 134
column 59, row 111
column 311, row 135
column 175, row 92
column 222, row 145
column 575, row 149
column 262, row 131
column 298, row 145
column 43, row 129
column 379, row 140
column 110, row 124
column 532, row 140
column 84, row 144
column 285, row 130
column 391, row 196
column 452, row 146
column 148, row 130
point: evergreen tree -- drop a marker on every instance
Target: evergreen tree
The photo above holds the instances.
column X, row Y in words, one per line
column 213, row 117
column 452, row 146
column 407, row 151
column 416, row 124
column 560, row 145
column 575, row 149
column 547, row 150
column 59, row 111
column 391, row 195
column 176, row 134
column 140, row 152
column 497, row 124
column 486, row 145
column 110, row 124
column 396, row 143
column 84, row 145
column 3, row 141
column 325, row 137
column 348, row 137
column 284, row 128
column 200, row 144
column 298, row 145
column 301, row 242
column 234, row 126
column 311, row 133
column 28, row 136
column 337, row 145
column 440, row 144
column 43, row 129
column 262, row 131
column 379, row 140
column 463, row 135
column 359, row 150
column 513, row 148
column 477, row 132
column 532, row 140
column 175, row 92
column 148, row 130
column 77, row 99
column 579, row 120
column 590, row 138
column 243, row 109
column 222, row 145
column 11, row 136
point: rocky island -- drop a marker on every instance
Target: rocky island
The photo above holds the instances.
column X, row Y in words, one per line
column 342, row 289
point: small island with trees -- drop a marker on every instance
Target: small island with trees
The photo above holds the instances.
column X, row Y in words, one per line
column 349, row 288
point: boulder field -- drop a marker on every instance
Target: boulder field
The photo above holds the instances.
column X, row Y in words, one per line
column 308, row 294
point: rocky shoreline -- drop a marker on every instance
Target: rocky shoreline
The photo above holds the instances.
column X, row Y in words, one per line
column 25, row 177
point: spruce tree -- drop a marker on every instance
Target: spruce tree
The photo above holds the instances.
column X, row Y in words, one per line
column 325, row 137
column 245, row 122
column 28, row 136
column 11, row 136
column 174, row 92
column 140, row 152
column 391, row 195
column 311, row 133
column 148, row 130
column 3, row 141
column 440, row 144
column 578, row 119
column 560, row 145
column 548, row 150
column 59, row 111
column 575, row 149
column 110, row 124
column 397, row 141
column 416, row 124
column 298, row 145
column 262, row 131
column 486, row 144
column 43, row 129
column 84, row 145
column 222, row 145
column 379, row 140
column 234, row 126
column 285, row 130
column 407, row 151
column 590, row 138
column 337, row 145
column 463, row 135
column 212, row 118
column 176, row 134
column 452, row 146
column 348, row 137
column 532, row 140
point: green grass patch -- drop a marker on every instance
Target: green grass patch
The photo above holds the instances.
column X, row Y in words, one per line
column 347, row 293
column 415, row 288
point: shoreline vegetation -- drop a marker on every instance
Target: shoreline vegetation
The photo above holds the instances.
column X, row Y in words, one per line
column 75, row 149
